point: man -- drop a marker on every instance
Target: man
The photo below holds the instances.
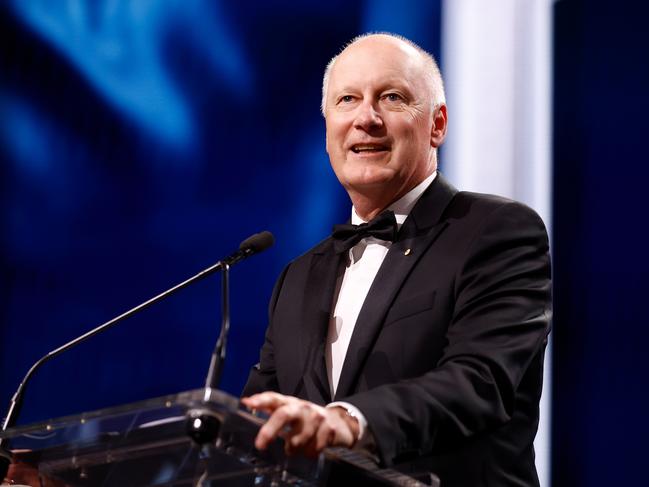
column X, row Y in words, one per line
column 429, row 340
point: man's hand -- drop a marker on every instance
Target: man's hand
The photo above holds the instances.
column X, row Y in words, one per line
column 305, row 426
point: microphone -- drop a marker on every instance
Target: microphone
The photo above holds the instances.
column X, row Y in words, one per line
column 252, row 245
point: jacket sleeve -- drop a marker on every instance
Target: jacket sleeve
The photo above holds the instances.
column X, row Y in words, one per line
column 499, row 327
column 263, row 376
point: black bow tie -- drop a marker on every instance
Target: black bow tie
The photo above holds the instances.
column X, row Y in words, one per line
column 382, row 227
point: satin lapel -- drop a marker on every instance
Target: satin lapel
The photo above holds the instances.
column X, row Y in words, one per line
column 318, row 293
column 419, row 231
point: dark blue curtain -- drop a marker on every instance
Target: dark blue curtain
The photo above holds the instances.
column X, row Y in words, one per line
column 601, row 329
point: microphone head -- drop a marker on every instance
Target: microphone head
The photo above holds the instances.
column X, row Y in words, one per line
column 258, row 242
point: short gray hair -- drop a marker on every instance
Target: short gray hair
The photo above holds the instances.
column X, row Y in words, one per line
column 434, row 75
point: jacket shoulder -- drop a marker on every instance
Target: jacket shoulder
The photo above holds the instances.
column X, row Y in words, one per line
column 483, row 205
column 321, row 247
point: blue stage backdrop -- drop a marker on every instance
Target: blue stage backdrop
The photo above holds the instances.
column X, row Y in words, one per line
column 140, row 142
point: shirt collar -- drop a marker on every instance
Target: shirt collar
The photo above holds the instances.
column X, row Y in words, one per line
column 403, row 205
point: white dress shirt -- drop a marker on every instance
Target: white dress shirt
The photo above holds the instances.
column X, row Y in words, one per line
column 364, row 261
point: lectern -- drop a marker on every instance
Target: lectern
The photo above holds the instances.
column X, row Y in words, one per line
column 148, row 443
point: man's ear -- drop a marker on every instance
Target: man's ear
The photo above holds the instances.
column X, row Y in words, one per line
column 439, row 126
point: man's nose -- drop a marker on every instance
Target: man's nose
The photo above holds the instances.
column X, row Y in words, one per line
column 367, row 117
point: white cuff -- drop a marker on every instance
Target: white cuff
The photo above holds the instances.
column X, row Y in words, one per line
column 355, row 413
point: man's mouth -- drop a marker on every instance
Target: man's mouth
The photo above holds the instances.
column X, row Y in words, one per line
column 368, row 148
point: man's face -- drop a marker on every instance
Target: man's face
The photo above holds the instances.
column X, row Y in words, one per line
column 378, row 113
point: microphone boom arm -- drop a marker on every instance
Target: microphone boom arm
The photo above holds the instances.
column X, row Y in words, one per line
column 254, row 244
column 16, row 400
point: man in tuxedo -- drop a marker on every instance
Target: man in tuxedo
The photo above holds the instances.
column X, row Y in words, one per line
column 416, row 332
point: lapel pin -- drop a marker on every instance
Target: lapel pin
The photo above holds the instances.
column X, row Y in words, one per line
column 407, row 252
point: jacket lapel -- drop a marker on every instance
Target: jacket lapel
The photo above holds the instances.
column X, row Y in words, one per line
column 418, row 232
column 318, row 301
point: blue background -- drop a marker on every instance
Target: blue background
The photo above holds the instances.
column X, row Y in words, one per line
column 141, row 141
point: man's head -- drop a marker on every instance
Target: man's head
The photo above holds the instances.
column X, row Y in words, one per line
column 383, row 103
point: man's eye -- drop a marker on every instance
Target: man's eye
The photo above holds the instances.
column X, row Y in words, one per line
column 346, row 99
column 392, row 97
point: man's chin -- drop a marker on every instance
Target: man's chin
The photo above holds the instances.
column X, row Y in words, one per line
column 368, row 184
column 368, row 177
column 375, row 189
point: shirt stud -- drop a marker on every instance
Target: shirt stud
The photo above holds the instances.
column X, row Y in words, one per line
column 407, row 252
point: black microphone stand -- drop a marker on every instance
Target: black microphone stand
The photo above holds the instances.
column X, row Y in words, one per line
column 202, row 424
column 218, row 356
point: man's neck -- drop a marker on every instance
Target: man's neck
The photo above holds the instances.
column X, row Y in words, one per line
column 369, row 203
column 367, row 206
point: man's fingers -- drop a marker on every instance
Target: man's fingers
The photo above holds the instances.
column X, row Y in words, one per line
column 324, row 437
column 331, row 431
column 304, row 426
column 278, row 421
column 266, row 401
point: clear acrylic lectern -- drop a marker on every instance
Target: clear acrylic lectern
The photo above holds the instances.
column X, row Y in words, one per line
column 147, row 444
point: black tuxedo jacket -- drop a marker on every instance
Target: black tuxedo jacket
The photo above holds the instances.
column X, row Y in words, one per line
column 446, row 358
